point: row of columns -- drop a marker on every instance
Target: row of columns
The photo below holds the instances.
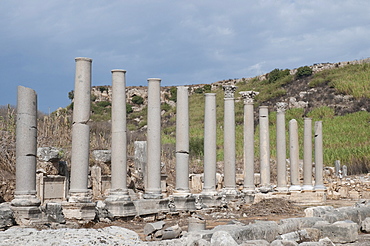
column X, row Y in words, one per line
column 25, row 194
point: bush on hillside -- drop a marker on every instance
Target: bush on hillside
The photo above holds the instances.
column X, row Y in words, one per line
column 303, row 72
column 129, row 108
column 277, row 74
column 103, row 104
column 137, row 100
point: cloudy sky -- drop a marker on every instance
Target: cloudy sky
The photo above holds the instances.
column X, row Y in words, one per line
column 181, row 42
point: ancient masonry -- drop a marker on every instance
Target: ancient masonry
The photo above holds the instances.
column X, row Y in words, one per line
column 122, row 202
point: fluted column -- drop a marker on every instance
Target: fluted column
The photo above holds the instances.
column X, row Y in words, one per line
column 294, row 156
column 81, row 132
column 209, row 187
column 264, row 150
column 154, row 140
column 119, row 138
column 281, row 147
column 307, row 155
column 182, row 142
column 319, row 157
column 26, row 148
column 229, row 140
column 248, row 147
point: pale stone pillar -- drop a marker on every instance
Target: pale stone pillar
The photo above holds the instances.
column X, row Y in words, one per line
column 26, row 149
column 248, row 97
column 307, row 155
column 229, row 140
column 294, row 156
column 118, row 189
column 81, row 132
column 182, row 142
column 319, row 157
column 264, row 149
column 209, row 187
column 281, row 147
column 154, row 140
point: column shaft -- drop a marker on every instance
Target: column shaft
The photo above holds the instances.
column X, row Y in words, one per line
column 210, row 144
column 80, row 129
column 319, row 157
column 281, row 147
column 154, row 140
column 294, row 156
column 307, row 155
column 182, row 141
column 264, row 149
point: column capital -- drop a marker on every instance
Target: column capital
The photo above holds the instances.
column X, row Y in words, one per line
column 281, row 107
column 248, row 96
column 229, row 90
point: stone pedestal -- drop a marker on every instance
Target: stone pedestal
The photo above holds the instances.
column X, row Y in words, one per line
column 319, row 158
column 118, row 200
column 182, row 142
column 248, row 96
column 185, row 203
column 281, row 147
column 151, row 206
column 79, row 210
column 25, row 203
column 307, row 155
column 209, row 187
column 294, row 156
column 264, row 150
column 81, row 132
column 229, row 141
column 153, row 190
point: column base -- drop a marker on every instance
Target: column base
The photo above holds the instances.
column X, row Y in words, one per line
column 184, row 203
column 266, row 188
column 295, row 188
column 181, row 193
column 282, row 189
column 24, row 215
column 25, row 201
column 210, row 200
column 120, row 208
column 80, row 196
column 209, row 192
column 151, row 206
column 118, row 195
column 319, row 188
column 79, row 210
column 307, row 188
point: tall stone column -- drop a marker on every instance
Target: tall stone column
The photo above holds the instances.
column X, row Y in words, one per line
column 81, row 132
column 154, row 140
column 281, row 147
column 248, row 97
column 119, row 137
column 182, row 142
column 307, row 155
column 319, row 158
column 264, row 150
column 26, row 149
column 294, row 156
column 209, row 187
column 229, row 140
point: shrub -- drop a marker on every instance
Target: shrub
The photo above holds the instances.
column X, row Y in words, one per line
column 137, row 100
column 103, row 104
column 198, row 90
column 102, row 89
column 173, row 92
column 207, row 88
column 129, row 108
column 277, row 74
column 71, row 95
column 303, row 72
column 165, row 106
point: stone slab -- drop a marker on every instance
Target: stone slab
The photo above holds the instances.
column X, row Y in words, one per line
column 151, row 206
column 121, row 208
column 80, row 211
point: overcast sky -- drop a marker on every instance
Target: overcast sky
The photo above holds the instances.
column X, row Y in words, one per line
column 181, row 42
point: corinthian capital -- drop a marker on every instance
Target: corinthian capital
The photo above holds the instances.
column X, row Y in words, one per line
column 229, row 90
column 248, row 96
column 281, row 107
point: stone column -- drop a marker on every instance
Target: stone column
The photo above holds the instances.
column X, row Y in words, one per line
column 319, row 157
column 81, row 132
column 229, row 140
column 264, row 149
column 294, row 156
column 209, row 187
column 182, row 142
column 281, row 147
column 248, row 97
column 154, row 140
column 118, row 189
column 307, row 155
column 26, row 149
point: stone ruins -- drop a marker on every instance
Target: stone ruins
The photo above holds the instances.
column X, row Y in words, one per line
column 59, row 197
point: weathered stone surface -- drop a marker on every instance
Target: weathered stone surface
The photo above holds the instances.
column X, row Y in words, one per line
column 102, row 155
column 339, row 232
column 54, row 212
column 283, row 243
column 151, row 228
column 6, row 216
column 294, row 224
column 222, row 238
column 318, row 211
column 255, row 243
column 365, row 225
column 49, row 154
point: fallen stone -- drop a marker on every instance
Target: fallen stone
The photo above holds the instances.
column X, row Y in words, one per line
column 283, row 243
column 54, row 212
column 222, row 238
column 339, row 232
column 151, row 228
column 318, row 211
column 6, row 216
column 295, row 224
column 365, row 225
column 255, row 243
column 49, row 154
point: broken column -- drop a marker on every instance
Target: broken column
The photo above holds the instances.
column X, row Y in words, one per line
column 229, row 140
column 25, row 203
column 264, row 150
column 209, row 187
column 81, row 132
column 294, row 156
column 319, row 158
column 153, row 190
column 281, row 147
column 182, row 142
column 307, row 155
column 248, row 97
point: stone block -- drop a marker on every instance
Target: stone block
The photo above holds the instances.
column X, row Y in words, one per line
column 295, row 224
column 27, row 215
column 151, row 206
column 353, row 194
column 79, row 210
column 184, row 203
column 363, row 212
column 196, row 184
column 365, row 225
column 343, row 191
column 283, row 243
column 318, row 211
column 102, row 155
column 255, row 243
column 54, row 213
column 49, row 154
column 55, row 188
column 196, row 223
column 119, row 209
column 339, row 232
column 6, row 216
column 223, row 238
